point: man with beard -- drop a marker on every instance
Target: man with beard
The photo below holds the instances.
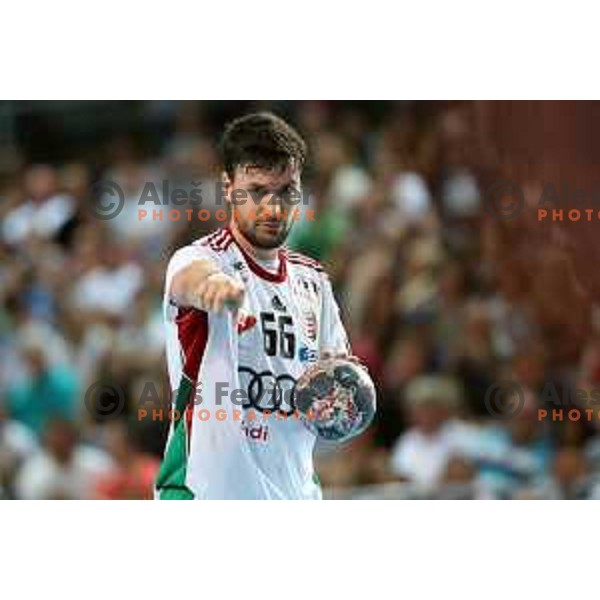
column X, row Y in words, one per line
column 245, row 316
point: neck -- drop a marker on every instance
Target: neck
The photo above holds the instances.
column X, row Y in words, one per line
column 251, row 249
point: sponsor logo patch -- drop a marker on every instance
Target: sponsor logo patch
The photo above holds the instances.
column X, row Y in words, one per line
column 245, row 322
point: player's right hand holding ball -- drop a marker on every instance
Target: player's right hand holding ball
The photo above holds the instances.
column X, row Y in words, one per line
column 336, row 397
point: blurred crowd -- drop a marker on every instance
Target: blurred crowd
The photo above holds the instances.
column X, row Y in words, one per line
column 402, row 229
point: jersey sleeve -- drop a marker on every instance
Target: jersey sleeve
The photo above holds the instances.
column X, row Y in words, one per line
column 333, row 337
column 181, row 259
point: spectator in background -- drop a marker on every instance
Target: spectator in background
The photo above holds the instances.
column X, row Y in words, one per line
column 63, row 469
column 44, row 214
column 139, row 183
column 132, row 477
column 140, row 340
column 515, row 452
column 407, row 360
column 459, row 481
column 421, row 454
column 346, row 181
column 320, row 236
column 110, row 285
column 23, row 331
column 363, row 275
column 415, row 298
column 569, row 479
column 17, row 443
column 471, row 353
column 48, row 391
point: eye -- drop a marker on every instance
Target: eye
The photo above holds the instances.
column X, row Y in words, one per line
column 289, row 195
column 259, row 192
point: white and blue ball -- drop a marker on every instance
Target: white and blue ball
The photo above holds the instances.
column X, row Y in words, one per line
column 336, row 399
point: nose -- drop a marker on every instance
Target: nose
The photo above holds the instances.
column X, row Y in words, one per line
column 274, row 208
column 277, row 209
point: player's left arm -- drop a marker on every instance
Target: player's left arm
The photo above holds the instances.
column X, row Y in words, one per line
column 333, row 339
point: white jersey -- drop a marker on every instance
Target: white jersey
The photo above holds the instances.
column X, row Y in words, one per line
column 241, row 437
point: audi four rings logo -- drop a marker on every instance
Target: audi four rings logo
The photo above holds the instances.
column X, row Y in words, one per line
column 268, row 392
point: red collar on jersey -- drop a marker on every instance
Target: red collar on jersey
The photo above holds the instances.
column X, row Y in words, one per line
column 258, row 269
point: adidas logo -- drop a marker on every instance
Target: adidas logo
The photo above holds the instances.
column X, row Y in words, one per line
column 278, row 304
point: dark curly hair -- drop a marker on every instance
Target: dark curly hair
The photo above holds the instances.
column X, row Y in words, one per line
column 262, row 140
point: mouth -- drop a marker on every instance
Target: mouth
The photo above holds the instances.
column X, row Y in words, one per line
column 272, row 226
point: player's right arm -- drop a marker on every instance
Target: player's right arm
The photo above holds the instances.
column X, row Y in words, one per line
column 202, row 284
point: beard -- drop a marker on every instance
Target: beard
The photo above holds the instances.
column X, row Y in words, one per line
column 267, row 235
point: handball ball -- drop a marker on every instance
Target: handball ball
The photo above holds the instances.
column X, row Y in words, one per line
column 336, row 399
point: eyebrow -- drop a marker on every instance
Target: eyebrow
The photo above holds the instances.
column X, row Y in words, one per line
column 283, row 187
column 257, row 187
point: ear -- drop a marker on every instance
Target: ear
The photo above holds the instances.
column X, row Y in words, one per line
column 227, row 186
